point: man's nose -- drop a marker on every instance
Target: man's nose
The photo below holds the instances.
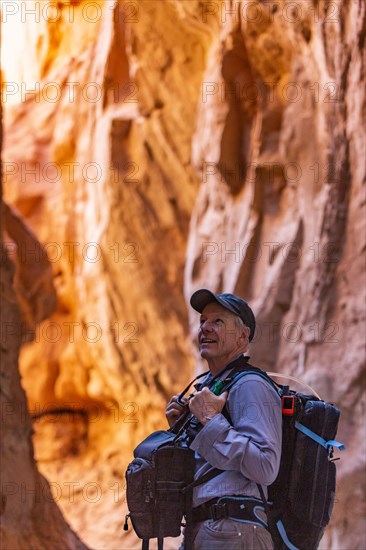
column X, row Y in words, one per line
column 206, row 325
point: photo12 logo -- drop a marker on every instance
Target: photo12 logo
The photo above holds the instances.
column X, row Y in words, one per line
column 53, row 12
column 53, row 92
column 254, row 12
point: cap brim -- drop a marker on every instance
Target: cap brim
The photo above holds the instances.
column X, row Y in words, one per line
column 201, row 298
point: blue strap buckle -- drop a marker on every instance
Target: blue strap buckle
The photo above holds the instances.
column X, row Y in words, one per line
column 328, row 445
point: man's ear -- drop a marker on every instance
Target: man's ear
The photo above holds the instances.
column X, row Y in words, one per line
column 246, row 333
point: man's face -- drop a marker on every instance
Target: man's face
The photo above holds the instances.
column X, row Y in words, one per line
column 219, row 337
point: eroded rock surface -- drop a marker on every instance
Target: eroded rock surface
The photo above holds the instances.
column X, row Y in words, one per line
column 29, row 516
column 280, row 217
column 216, row 144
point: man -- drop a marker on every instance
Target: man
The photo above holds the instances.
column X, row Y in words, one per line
column 247, row 448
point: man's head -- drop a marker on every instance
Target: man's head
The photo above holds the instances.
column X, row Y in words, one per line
column 201, row 298
column 227, row 324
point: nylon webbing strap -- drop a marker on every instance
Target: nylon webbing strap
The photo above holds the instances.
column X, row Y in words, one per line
column 214, row 472
column 318, row 439
column 275, row 528
column 146, row 544
column 251, row 370
column 270, row 523
column 284, row 536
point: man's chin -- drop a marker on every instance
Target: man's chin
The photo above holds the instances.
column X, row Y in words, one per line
column 205, row 354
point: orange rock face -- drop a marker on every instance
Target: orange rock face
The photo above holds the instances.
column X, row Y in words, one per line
column 29, row 515
column 168, row 146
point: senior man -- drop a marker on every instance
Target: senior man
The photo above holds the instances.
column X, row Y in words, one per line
column 240, row 434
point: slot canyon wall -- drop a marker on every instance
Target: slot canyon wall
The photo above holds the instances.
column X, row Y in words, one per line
column 151, row 148
column 29, row 516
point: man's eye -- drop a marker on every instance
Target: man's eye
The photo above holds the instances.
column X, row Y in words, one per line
column 219, row 321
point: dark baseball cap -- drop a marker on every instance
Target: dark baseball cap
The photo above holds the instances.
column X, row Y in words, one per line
column 236, row 305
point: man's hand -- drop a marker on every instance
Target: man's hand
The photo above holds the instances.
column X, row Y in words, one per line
column 205, row 404
column 175, row 409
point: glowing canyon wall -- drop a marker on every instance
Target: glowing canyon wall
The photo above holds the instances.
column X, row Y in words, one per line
column 153, row 147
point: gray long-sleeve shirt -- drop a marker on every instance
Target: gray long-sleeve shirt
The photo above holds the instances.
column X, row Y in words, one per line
column 249, row 449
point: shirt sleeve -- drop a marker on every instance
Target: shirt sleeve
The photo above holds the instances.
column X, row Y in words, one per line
column 252, row 443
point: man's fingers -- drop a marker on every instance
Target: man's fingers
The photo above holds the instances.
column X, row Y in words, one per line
column 177, row 405
column 205, row 404
column 175, row 399
column 175, row 408
column 224, row 395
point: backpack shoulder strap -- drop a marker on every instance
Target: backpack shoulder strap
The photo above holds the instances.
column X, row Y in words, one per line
column 237, row 375
column 249, row 369
column 226, row 386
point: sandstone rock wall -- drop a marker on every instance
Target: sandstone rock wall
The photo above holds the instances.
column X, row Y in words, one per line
column 117, row 200
column 280, row 216
column 29, row 515
column 216, row 144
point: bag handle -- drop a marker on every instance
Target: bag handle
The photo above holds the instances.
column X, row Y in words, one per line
column 182, row 394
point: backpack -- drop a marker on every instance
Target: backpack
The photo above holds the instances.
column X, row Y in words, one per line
column 154, row 492
column 300, row 500
column 158, row 481
column 303, row 494
column 160, row 478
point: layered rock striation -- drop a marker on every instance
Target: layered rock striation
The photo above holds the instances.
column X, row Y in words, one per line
column 168, row 146
column 29, row 516
column 280, row 216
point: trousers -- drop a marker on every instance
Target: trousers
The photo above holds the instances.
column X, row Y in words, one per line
column 228, row 534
